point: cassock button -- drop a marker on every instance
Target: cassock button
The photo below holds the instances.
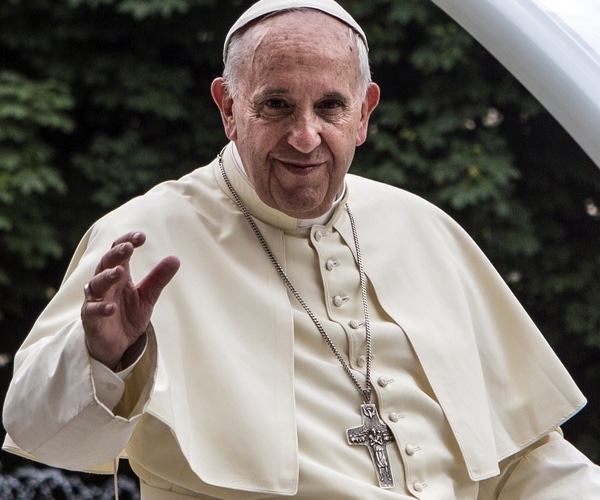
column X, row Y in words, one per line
column 411, row 450
column 331, row 264
column 111, row 387
column 395, row 417
column 384, row 381
column 355, row 325
column 418, row 487
column 361, row 361
column 339, row 301
column 320, row 234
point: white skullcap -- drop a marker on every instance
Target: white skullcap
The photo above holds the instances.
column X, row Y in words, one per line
column 264, row 7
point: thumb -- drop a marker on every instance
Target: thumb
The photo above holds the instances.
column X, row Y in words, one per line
column 150, row 288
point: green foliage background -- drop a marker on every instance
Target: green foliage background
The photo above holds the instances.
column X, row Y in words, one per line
column 101, row 99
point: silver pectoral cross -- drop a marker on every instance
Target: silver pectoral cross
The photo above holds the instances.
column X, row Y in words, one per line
column 375, row 435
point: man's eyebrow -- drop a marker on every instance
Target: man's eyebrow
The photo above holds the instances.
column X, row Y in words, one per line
column 274, row 92
column 267, row 93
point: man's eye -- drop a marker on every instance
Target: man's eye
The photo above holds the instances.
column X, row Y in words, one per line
column 329, row 105
column 274, row 108
column 276, row 104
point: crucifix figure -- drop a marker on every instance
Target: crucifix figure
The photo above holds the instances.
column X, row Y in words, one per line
column 375, row 435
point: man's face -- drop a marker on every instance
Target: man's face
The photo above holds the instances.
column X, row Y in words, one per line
column 299, row 114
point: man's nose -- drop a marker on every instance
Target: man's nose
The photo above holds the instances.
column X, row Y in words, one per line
column 305, row 133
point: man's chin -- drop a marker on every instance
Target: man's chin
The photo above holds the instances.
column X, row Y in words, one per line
column 305, row 210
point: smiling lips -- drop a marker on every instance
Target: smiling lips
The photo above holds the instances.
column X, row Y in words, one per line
column 300, row 167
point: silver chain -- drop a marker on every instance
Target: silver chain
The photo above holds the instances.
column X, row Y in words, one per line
column 364, row 391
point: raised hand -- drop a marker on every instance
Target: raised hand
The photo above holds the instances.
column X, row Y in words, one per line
column 116, row 311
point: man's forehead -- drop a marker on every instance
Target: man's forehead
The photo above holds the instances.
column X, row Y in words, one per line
column 303, row 37
column 284, row 62
column 265, row 7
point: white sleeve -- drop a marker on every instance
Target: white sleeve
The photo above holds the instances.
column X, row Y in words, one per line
column 52, row 410
column 110, row 385
column 552, row 469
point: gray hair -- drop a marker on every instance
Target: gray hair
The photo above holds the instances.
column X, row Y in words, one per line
column 237, row 55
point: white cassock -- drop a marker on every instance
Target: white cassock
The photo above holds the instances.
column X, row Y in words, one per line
column 237, row 395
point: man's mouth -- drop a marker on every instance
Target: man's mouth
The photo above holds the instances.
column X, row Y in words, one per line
column 300, row 166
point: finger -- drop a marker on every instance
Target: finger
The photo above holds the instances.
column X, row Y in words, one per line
column 93, row 318
column 101, row 283
column 93, row 312
column 102, row 344
column 118, row 255
column 121, row 250
column 136, row 238
column 89, row 294
column 150, row 288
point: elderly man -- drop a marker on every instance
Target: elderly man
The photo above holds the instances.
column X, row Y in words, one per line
column 326, row 337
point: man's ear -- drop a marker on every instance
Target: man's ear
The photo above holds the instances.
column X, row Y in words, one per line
column 224, row 102
column 369, row 103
